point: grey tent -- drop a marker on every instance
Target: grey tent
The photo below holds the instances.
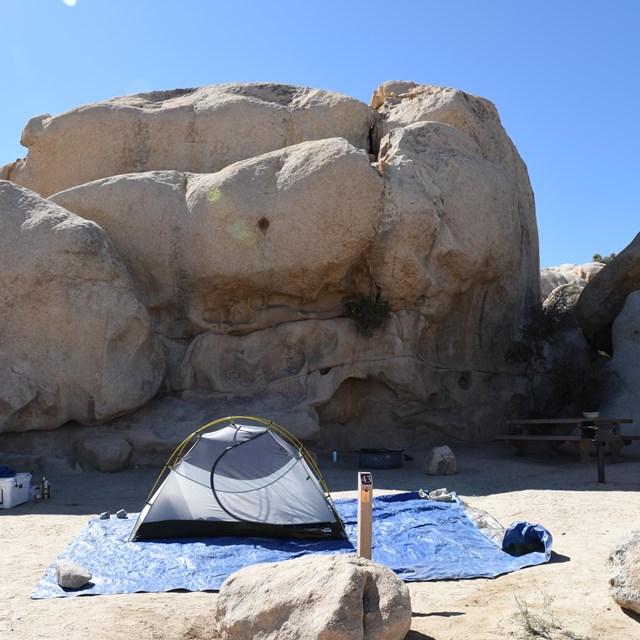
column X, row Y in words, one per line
column 239, row 476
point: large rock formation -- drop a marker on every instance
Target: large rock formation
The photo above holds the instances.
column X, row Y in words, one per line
column 402, row 103
column 604, row 297
column 607, row 312
column 254, row 212
column 242, row 249
column 622, row 392
column 77, row 344
column 202, row 130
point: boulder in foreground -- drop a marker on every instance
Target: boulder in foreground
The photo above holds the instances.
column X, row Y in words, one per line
column 314, row 597
column 624, row 572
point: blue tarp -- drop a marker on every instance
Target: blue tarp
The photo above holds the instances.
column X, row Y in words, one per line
column 419, row 539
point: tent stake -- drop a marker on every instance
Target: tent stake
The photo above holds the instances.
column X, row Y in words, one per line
column 365, row 525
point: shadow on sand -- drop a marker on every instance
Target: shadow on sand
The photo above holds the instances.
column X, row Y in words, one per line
column 482, row 470
column 491, row 469
column 416, row 635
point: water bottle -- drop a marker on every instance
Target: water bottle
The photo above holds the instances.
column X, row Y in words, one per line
column 46, row 489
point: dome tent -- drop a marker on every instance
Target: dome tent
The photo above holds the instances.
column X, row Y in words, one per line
column 239, row 476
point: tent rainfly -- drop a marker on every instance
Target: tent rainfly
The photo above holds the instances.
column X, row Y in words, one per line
column 239, row 476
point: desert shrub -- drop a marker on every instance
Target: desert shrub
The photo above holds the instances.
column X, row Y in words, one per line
column 368, row 312
column 577, row 383
column 542, row 623
column 544, row 321
column 604, row 259
column 541, row 328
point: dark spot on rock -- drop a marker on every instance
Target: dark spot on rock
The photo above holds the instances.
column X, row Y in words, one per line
column 263, row 224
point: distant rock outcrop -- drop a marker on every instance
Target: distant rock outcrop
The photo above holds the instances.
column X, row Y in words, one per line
column 574, row 274
column 219, row 234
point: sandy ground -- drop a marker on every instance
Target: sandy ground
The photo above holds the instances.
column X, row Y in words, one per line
column 586, row 519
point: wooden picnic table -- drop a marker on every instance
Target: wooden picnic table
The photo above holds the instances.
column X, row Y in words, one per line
column 602, row 431
column 548, row 424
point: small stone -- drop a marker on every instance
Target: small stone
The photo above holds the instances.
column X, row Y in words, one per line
column 122, row 514
column 105, row 515
column 440, row 461
column 71, row 575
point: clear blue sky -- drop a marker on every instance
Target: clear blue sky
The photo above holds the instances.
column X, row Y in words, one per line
column 564, row 75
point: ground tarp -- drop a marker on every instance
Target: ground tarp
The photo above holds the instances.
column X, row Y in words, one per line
column 418, row 539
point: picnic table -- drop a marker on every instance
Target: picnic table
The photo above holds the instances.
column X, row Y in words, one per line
column 578, row 432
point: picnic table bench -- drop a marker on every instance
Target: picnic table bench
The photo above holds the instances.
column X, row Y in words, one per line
column 602, row 431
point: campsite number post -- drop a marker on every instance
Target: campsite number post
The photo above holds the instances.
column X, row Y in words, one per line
column 365, row 526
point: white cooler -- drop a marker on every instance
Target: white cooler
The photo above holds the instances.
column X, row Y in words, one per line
column 14, row 491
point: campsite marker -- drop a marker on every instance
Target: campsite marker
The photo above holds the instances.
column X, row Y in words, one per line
column 365, row 504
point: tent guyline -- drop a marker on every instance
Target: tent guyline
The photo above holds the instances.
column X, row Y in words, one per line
column 239, row 476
